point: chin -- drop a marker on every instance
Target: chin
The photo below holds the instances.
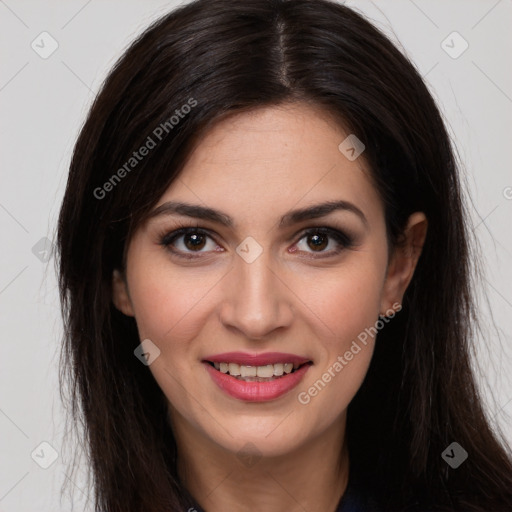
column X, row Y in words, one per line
column 258, row 443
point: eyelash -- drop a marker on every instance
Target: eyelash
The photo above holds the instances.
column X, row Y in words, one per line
column 168, row 238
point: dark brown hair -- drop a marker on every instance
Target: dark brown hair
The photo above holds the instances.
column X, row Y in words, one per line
column 229, row 56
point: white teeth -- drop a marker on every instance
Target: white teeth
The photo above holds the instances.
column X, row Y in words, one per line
column 266, row 371
column 234, row 369
column 278, row 369
column 248, row 371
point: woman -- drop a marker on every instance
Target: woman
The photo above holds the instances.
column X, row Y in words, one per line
column 265, row 275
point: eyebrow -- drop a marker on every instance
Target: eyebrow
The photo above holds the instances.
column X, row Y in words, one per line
column 292, row 217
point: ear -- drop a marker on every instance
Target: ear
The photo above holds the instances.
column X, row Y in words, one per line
column 403, row 261
column 120, row 296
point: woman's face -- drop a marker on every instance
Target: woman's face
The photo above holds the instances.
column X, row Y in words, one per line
column 250, row 281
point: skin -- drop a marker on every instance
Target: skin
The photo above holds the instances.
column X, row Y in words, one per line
column 255, row 167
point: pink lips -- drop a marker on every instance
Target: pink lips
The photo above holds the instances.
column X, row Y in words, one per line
column 256, row 391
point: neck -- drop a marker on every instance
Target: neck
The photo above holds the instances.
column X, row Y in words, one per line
column 313, row 477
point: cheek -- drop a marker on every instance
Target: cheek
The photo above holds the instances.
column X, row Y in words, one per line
column 351, row 303
column 348, row 304
column 171, row 307
column 345, row 301
column 168, row 303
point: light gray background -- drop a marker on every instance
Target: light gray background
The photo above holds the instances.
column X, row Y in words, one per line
column 43, row 103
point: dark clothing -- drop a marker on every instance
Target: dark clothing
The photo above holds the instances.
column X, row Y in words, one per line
column 355, row 499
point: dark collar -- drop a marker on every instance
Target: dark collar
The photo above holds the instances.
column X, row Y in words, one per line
column 355, row 499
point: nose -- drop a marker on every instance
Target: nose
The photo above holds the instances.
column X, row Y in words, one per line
column 257, row 301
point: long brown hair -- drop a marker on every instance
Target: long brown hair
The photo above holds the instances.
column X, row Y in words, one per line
column 231, row 56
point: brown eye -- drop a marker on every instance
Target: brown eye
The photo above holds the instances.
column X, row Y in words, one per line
column 318, row 242
column 318, row 239
column 187, row 241
column 194, row 241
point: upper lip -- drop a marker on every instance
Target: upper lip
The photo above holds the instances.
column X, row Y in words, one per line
column 263, row 359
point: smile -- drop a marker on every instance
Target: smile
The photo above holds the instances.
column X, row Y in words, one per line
column 256, row 373
column 256, row 378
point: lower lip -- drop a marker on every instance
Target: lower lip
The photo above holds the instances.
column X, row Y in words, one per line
column 256, row 391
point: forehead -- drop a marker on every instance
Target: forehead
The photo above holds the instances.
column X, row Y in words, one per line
column 272, row 159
